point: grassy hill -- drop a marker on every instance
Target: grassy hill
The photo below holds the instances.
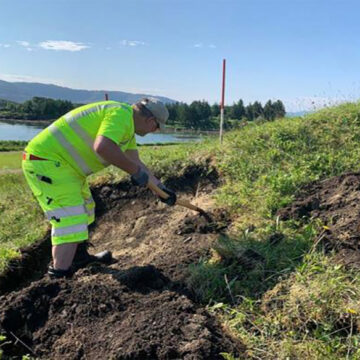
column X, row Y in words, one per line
column 270, row 281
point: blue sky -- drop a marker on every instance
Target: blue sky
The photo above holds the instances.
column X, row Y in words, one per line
column 306, row 53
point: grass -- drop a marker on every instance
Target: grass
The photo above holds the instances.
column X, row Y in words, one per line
column 272, row 288
column 289, row 300
column 21, row 220
column 10, row 160
column 264, row 165
column 312, row 314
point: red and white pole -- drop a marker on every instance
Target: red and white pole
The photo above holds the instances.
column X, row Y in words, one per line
column 222, row 104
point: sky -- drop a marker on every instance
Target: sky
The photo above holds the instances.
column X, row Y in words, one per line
column 305, row 53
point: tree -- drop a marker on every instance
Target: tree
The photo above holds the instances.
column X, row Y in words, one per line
column 215, row 110
column 173, row 112
column 249, row 112
column 279, row 109
column 257, row 110
column 237, row 111
column 269, row 112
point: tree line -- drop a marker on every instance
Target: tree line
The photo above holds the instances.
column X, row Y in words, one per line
column 201, row 115
column 38, row 108
column 198, row 115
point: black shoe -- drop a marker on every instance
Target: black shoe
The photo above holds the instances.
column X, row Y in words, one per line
column 58, row 273
column 83, row 258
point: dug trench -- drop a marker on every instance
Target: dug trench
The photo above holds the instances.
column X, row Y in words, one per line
column 138, row 307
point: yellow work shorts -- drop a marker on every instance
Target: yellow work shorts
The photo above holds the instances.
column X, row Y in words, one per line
column 64, row 196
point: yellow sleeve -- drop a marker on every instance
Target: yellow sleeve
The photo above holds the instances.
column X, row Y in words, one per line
column 132, row 144
column 116, row 126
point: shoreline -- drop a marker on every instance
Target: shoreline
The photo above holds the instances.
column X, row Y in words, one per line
column 168, row 130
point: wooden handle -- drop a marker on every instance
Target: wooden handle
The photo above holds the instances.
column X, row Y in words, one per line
column 164, row 195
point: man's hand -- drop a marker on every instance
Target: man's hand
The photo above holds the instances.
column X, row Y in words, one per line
column 140, row 178
column 171, row 200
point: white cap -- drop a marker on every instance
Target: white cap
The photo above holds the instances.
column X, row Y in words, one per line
column 158, row 109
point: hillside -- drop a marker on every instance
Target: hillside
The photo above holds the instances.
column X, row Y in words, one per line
column 277, row 265
column 22, row 91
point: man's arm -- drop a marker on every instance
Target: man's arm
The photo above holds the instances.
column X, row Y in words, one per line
column 112, row 153
column 133, row 155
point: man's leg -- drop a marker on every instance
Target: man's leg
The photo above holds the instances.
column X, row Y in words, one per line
column 66, row 200
column 63, row 255
column 57, row 187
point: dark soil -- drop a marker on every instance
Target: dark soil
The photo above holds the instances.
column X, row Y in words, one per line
column 136, row 308
column 31, row 265
column 336, row 202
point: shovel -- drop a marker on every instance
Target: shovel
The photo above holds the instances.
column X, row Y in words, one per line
column 180, row 202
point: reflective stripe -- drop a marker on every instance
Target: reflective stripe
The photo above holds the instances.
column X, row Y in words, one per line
column 66, row 211
column 84, row 136
column 69, row 230
column 72, row 151
column 89, row 201
column 71, row 116
column 70, row 119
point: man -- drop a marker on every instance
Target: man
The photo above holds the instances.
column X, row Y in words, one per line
column 85, row 140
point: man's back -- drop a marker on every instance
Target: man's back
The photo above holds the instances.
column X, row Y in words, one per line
column 71, row 137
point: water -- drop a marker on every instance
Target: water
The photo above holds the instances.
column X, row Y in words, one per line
column 27, row 132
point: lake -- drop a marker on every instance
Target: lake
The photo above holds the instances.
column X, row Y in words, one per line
column 19, row 131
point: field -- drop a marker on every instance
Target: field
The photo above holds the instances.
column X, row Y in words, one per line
column 275, row 275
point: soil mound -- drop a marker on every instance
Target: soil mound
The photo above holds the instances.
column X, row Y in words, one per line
column 136, row 308
column 128, row 314
column 336, row 202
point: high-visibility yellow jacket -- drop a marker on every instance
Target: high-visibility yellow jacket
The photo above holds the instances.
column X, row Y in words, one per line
column 72, row 136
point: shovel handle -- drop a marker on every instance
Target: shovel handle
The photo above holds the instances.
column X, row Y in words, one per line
column 164, row 195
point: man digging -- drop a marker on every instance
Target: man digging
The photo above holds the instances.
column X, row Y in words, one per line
column 58, row 160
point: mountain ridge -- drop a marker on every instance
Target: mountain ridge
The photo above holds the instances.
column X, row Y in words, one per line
column 22, row 91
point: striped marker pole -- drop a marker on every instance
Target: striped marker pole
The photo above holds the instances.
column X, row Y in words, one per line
column 222, row 103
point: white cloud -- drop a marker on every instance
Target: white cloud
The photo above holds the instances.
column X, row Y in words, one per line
column 202, row 45
column 62, row 45
column 132, row 43
column 25, row 44
column 5, row 45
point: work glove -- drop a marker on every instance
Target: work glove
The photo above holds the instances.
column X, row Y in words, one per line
column 171, row 200
column 141, row 178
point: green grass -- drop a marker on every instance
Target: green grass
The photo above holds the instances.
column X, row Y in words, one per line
column 313, row 314
column 264, row 165
column 21, row 220
column 10, row 160
column 293, row 302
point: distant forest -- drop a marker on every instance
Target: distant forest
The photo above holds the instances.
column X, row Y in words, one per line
column 198, row 115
